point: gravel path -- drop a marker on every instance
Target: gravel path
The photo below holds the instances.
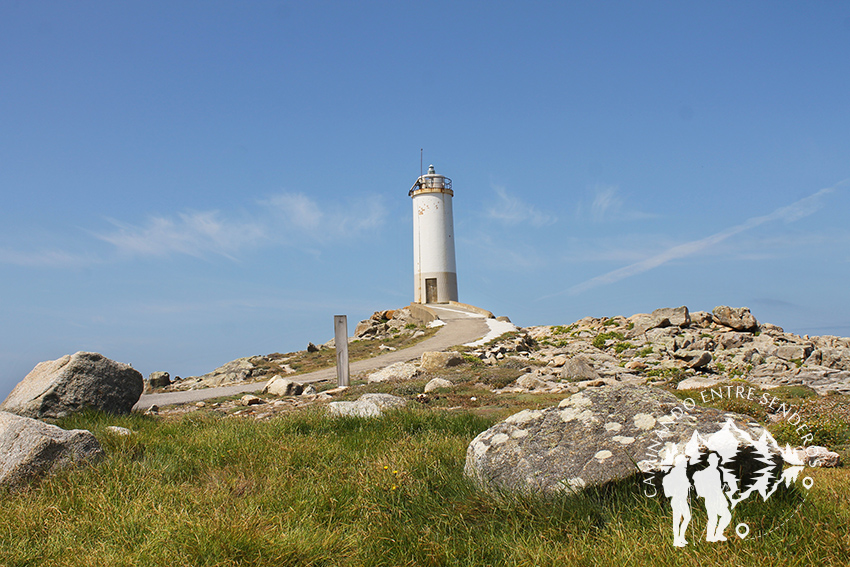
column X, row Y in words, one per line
column 461, row 327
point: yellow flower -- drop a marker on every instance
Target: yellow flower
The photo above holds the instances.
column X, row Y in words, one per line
column 394, row 487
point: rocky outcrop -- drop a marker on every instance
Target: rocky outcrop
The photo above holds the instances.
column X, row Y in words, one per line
column 30, row 448
column 593, row 437
column 387, row 323
column 676, row 345
column 56, row 388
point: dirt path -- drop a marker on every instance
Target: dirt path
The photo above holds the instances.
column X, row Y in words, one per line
column 461, row 327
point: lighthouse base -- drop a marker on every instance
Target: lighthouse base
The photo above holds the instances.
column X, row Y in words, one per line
column 436, row 287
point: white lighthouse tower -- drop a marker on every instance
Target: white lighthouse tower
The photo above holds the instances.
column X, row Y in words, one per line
column 435, row 273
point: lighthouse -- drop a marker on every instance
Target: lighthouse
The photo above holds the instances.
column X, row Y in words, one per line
column 434, row 270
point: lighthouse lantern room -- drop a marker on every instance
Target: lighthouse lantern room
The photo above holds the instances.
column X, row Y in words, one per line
column 435, row 273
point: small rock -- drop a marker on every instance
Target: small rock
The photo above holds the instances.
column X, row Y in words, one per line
column 821, row 457
column 397, row 371
column 250, row 400
column 153, row 410
column 279, row 386
column 309, row 390
column 121, row 431
column 312, row 348
column 696, row 383
column 367, row 405
column 530, row 381
column 701, row 360
column 201, row 405
column 423, row 398
column 437, row 383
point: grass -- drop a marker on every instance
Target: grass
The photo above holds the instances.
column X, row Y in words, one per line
column 307, row 490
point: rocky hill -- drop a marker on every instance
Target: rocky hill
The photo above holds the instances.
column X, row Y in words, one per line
column 673, row 345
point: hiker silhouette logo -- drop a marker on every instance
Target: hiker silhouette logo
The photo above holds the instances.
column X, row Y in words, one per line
column 720, row 471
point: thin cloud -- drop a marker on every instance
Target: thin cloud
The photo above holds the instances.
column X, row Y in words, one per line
column 302, row 216
column 789, row 213
column 282, row 219
column 44, row 259
column 609, row 205
column 512, row 210
column 193, row 234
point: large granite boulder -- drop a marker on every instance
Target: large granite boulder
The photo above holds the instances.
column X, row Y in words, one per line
column 594, row 437
column 30, row 448
column 56, row 388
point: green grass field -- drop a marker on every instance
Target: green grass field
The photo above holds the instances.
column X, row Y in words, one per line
column 303, row 489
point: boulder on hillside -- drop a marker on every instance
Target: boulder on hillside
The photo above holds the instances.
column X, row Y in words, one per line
column 436, row 384
column 662, row 317
column 591, row 438
column 736, row 318
column 397, row 371
column 367, row 405
column 159, row 380
column 56, row 388
column 578, row 368
column 237, row 370
column 437, row 360
column 30, row 448
column 279, row 386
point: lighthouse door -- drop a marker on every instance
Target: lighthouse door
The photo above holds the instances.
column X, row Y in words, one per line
column 430, row 290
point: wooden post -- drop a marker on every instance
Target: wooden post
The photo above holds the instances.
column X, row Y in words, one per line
column 341, row 343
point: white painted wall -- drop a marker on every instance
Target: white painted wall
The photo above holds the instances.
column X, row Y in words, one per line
column 433, row 245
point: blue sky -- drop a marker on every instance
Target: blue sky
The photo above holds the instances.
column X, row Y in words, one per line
column 185, row 183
